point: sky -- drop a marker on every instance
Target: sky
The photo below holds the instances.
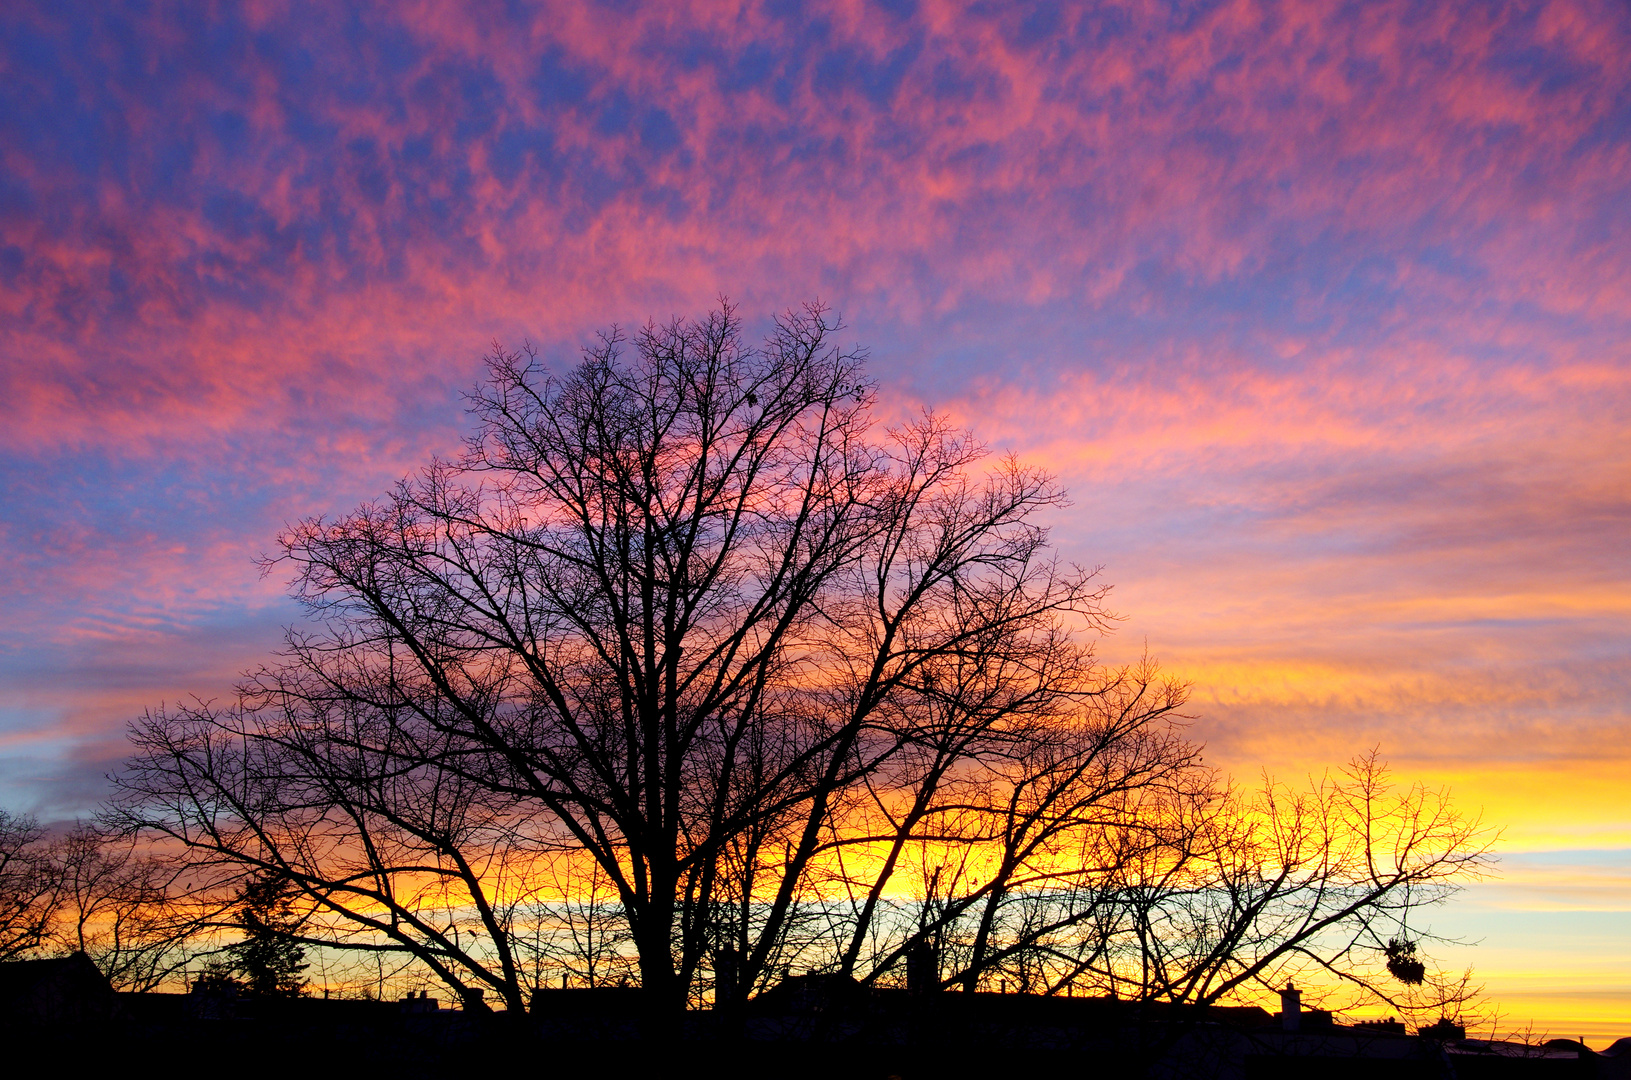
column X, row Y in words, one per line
column 1321, row 311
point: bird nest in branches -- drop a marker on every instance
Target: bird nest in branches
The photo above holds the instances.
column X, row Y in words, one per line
column 1402, row 962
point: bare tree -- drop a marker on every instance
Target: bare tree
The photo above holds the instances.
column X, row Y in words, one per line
column 30, row 888
column 995, row 806
column 1180, row 888
column 576, row 926
column 664, row 603
column 122, row 907
column 679, row 615
column 90, row 890
column 1310, row 885
column 388, row 851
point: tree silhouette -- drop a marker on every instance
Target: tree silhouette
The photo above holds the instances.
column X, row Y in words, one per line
column 682, row 631
column 269, row 959
column 30, row 886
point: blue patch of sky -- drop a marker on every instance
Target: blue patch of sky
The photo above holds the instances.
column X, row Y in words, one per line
column 1095, row 28
column 395, row 49
column 166, row 659
column 1529, row 57
column 797, row 13
column 758, row 66
column 1472, row 917
column 18, row 201
column 1610, row 130
column 953, row 81
column 113, row 497
column 482, row 97
column 59, row 111
column 1616, row 858
column 32, row 778
column 841, row 69
column 513, row 147
column 292, row 60
column 235, row 215
column 1362, row 72
column 1331, row 289
column 593, row 187
column 556, row 83
column 658, row 132
column 1184, row 15
column 619, row 7
column 1041, row 24
column 229, row 129
column 367, row 170
column 616, row 113
column 900, row 9
column 307, row 126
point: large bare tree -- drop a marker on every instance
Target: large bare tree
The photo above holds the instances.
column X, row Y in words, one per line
column 680, row 622
column 674, row 599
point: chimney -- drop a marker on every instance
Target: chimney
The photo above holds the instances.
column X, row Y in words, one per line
column 1291, row 1007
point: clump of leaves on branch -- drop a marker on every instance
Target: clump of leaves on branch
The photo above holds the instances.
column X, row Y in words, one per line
column 683, row 624
column 1402, row 963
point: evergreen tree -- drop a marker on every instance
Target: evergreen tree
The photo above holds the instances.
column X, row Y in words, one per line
column 269, row 959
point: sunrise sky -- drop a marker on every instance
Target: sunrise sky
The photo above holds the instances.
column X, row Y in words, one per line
column 1321, row 311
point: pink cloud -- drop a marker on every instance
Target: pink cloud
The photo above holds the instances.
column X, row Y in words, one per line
column 1322, row 314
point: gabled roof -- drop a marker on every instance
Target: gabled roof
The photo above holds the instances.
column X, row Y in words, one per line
column 23, row 976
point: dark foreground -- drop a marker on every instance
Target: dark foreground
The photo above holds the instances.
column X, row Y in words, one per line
column 810, row 1026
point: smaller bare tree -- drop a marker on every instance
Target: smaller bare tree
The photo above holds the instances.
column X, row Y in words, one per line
column 120, row 906
column 1253, row 890
column 30, row 888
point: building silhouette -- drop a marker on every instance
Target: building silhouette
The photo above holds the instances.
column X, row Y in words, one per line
column 806, row 1025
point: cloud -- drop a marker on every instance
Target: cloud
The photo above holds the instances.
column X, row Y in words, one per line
column 1322, row 313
